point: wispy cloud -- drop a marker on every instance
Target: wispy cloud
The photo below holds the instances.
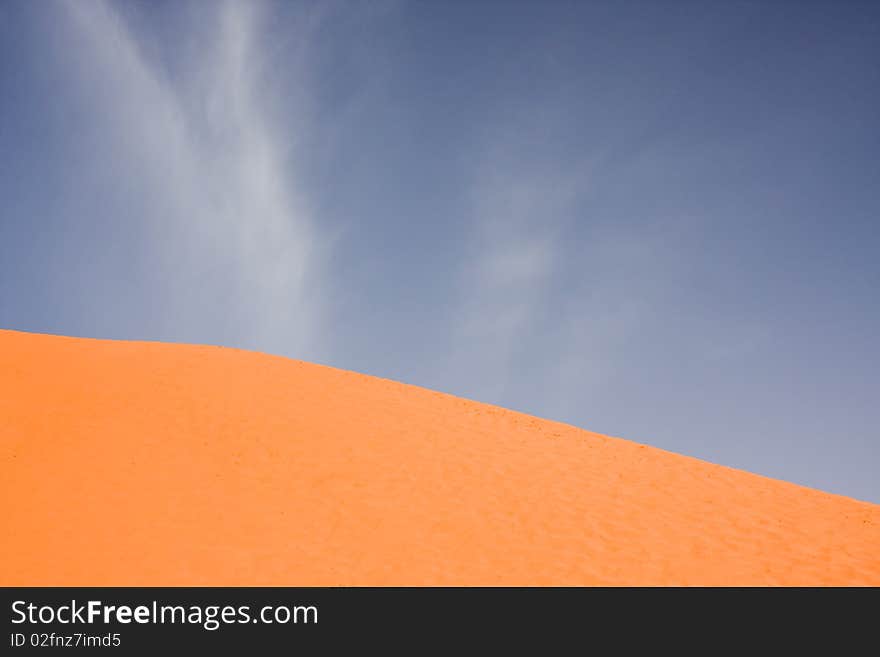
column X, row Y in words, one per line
column 520, row 210
column 218, row 176
column 554, row 293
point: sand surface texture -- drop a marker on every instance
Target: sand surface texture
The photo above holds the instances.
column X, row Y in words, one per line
column 135, row 463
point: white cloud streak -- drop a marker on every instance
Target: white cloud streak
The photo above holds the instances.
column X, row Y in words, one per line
column 544, row 326
column 520, row 213
column 219, row 174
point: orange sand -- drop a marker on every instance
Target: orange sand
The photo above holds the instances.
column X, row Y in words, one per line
column 127, row 463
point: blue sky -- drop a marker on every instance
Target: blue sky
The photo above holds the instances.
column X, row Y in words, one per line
column 659, row 221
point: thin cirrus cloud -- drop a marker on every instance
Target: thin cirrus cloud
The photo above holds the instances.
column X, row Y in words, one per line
column 518, row 213
column 213, row 173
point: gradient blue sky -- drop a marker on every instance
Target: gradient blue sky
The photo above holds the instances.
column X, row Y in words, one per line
column 655, row 220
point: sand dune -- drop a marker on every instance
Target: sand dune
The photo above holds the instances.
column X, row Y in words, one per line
column 127, row 463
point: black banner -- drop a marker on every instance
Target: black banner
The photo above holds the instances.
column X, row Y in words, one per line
column 129, row 620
